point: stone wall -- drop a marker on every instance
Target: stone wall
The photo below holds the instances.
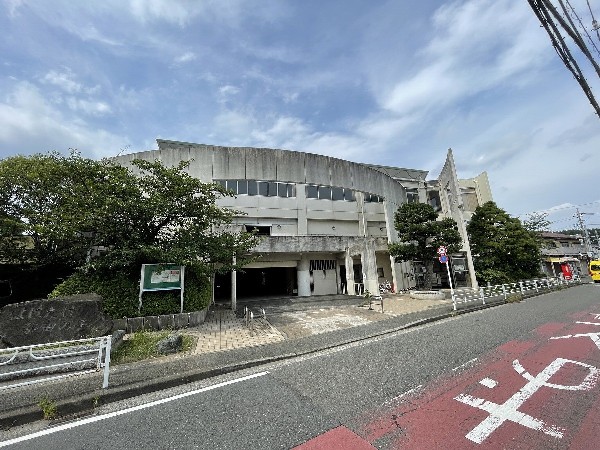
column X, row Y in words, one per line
column 59, row 319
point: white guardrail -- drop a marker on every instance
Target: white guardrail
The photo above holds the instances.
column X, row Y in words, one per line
column 44, row 362
column 497, row 291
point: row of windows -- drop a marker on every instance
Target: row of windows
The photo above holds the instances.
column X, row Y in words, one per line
column 279, row 189
column 329, row 193
column 264, row 188
column 322, row 264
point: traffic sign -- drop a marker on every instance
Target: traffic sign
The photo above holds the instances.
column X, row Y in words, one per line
column 441, row 250
column 443, row 258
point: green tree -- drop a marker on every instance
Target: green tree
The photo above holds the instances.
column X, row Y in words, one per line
column 421, row 234
column 105, row 221
column 503, row 249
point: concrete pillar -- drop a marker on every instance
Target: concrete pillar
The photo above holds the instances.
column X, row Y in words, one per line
column 369, row 267
column 349, row 272
column 233, row 288
column 304, row 277
column 301, row 208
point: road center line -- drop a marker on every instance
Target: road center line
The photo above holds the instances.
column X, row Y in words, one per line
column 98, row 418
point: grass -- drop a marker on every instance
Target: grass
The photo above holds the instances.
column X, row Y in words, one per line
column 142, row 345
column 49, row 408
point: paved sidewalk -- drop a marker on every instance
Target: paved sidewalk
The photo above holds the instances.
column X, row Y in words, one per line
column 222, row 330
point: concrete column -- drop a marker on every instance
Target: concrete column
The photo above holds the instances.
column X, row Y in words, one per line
column 304, row 277
column 349, row 272
column 369, row 267
column 233, row 288
column 301, row 205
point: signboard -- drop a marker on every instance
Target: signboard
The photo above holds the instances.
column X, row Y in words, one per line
column 443, row 259
column 161, row 277
column 441, row 250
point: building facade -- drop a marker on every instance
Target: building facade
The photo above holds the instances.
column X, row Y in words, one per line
column 325, row 222
column 563, row 254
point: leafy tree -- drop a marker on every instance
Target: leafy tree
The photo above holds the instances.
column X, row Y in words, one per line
column 503, row 249
column 537, row 223
column 421, row 234
column 104, row 220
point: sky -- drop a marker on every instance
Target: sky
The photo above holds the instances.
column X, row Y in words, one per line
column 393, row 83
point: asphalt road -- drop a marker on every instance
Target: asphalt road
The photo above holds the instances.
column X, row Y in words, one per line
column 354, row 391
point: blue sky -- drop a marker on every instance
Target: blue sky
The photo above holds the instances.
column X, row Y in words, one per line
column 383, row 82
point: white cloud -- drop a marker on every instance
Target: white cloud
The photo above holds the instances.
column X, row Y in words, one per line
column 63, row 80
column 88, row 107
column 186, row 57
column 27, row 118
column 477, row 45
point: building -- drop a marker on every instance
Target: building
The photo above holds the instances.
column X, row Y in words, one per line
column 563, row 254
column 326, row 222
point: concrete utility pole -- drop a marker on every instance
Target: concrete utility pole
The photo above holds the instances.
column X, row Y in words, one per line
column 586, row 236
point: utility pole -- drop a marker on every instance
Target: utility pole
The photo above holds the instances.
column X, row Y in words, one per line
column 586, row 236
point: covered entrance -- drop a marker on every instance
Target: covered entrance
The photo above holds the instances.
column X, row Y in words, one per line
column 258, row 282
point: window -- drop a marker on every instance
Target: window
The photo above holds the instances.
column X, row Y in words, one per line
column 312, row 191
column 232, row 186
column 242, row 187
column 252, row 187
column 272, row 189
column 349, row 195
column 263, row 188
column 260, row 230
column 325, row 192
column 337, row 193
column 412, row 195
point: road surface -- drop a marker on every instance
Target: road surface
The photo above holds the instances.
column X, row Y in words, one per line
column 519, row 376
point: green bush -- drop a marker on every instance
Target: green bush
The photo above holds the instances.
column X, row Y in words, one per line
column 120, row 294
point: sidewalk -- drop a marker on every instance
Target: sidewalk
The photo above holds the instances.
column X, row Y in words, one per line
column 225, row 345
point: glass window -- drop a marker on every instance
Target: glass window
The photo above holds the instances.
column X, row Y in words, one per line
column 272, row 189
column 349, row 195
column 222, row 183
column 263, row 188
column 337, row 193
column 282, row 189
column 325, row 192
column 242, row 187
column 252, row 187
column 291, row 191
column 232, row 185
column 312, row 191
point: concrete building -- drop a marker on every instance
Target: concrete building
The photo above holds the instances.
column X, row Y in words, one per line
column 325, row 222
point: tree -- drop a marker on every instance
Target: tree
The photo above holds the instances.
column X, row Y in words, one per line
column 59, row 211
column 537, row 223
column 503, row 249
column 421, row 234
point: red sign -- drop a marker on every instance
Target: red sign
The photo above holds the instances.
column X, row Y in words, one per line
column 566, row 270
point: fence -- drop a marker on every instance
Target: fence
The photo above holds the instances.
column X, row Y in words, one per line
column 523, row 288
column 44, row 362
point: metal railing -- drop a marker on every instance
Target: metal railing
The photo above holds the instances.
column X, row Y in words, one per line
column 44, row 362
column 249, row 316
column 497, row 291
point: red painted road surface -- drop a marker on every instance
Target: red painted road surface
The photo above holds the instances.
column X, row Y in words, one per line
column 537, row 394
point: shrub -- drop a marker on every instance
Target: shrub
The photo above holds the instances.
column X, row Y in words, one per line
column 120, row 294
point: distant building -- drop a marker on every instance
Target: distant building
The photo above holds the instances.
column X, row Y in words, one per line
column 326, row 222
column 561, row 251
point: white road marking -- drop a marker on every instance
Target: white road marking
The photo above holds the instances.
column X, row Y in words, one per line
column 488, row 382
column 468, row 363
column 404, row 394
column 500, row 413
column 93, row 419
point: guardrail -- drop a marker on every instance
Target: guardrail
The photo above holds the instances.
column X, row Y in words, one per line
column 42, row 362
column 505, row 290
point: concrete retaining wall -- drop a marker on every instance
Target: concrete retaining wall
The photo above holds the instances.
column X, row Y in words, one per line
column 163, row 322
